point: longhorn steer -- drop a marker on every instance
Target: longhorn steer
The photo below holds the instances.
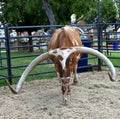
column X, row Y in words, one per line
column 65, row 48
column 65, row 64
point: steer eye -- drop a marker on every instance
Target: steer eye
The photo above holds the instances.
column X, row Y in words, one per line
column 60, row 57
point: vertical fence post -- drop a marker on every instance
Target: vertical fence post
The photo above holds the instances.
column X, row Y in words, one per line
column 99, row 34
column 8, row 53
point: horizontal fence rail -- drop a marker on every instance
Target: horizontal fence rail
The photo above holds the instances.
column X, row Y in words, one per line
column 19, row 45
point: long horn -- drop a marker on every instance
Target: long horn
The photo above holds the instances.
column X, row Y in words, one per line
column 36, row 61
column 98, row 54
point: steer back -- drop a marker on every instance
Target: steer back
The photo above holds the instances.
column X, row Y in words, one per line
column 63, row 38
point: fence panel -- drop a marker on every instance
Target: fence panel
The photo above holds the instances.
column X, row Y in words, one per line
column 21, row 44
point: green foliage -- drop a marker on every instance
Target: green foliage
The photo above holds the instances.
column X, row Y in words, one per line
column 108, row 11
column 63, row 9
column 24, row 12
column 30, row 12
column 91, row 15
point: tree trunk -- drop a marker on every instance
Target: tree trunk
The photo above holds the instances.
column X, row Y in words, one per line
column 49, row 12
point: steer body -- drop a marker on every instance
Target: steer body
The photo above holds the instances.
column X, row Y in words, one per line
column 64, row 38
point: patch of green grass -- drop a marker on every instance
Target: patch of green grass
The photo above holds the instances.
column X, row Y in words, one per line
column 25, row 61
column 114, row 57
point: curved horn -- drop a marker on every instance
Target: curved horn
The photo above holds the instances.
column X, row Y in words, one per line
column 98, row 54
column 36, row 61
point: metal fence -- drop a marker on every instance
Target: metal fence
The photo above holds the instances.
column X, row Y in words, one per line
column 30, row 41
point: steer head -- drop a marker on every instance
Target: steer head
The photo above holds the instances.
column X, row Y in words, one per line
column 64, row 66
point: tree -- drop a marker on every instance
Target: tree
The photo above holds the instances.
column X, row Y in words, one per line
column 40, row 12
column 24, row 12
column 109, row 11
column 91, row 16
column 86, row 8
column 62, row 10
column 47, row 8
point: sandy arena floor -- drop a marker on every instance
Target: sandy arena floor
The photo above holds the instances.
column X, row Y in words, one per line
column 94, row 97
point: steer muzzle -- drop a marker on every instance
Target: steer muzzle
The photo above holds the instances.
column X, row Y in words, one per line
column 65, row 87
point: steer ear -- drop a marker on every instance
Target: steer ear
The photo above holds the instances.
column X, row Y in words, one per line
column 98, row 54
column 35, row 62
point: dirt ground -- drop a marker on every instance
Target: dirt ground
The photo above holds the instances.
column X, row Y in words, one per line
column 94, row 97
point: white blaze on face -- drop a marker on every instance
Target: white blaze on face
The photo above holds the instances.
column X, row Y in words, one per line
column 63, row 53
